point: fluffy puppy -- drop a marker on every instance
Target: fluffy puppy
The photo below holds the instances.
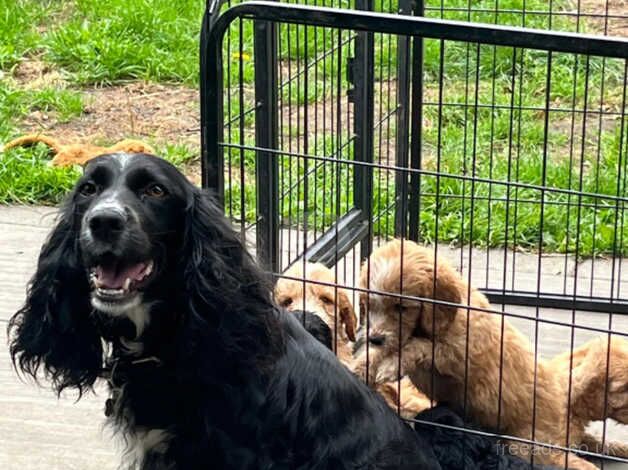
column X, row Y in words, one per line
column 457, row 354
column 144, row 283
column 599, row 390
column 333, row 306
column 330, row 303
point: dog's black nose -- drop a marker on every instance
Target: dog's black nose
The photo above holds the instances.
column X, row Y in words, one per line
column 106, row 225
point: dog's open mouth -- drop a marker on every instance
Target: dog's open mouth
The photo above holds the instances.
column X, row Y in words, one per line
column 116, row 280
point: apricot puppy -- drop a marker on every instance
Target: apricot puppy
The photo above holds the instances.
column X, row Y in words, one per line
column 332, row 305
column 598, row 390
column 457, row 354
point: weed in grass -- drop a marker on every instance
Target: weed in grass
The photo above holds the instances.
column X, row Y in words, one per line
column 16, row 103
column 67, row 104
column 177, row 154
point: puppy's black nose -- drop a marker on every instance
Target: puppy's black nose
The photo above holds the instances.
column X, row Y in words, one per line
column 106, row 225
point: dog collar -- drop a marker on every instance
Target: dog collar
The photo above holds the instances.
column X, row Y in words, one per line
column 113, row 369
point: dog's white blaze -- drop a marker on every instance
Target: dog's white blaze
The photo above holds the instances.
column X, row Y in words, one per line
column 123, row 158
column 110, row 203
column 140, row 317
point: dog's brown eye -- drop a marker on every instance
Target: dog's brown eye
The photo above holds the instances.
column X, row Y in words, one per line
column 401, row 308
column 286, row 302
column 155, row 190
column 326, row 300
column 88, row 189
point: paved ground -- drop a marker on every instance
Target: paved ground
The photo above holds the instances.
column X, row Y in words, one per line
column 38, row 431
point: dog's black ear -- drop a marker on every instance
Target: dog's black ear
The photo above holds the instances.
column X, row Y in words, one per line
column 223, row 286
column 216, row 267
column 53, row 330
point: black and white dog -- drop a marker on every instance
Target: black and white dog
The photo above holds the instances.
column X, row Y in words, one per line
column 144, row 283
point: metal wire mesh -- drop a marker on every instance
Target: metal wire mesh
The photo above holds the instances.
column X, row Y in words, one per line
column 508, row 161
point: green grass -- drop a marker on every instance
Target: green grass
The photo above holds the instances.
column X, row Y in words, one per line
column 27, row 177
column 18, row 34
column 482, row 213
column 66, row 104
column 116, row 41
column 15, row 103
column 457, row 211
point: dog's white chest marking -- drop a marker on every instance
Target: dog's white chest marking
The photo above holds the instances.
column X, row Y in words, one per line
column 140, row 317
column 145, row 441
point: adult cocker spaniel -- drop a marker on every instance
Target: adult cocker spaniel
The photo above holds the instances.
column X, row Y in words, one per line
column 144, row 283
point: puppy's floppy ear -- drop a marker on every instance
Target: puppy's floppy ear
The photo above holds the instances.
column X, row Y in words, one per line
column 448, row 288
column 53, row 329
column 389, row 391
column 347, row 314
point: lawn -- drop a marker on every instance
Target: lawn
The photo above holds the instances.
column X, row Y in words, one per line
column 88, row 49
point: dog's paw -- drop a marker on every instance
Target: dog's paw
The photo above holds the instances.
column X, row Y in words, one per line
column 359, row 369
column 388, row 371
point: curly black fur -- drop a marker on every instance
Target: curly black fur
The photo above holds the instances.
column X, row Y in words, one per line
column 223, row 380
column 456, row 449
column 315, row 326
column 53, row 328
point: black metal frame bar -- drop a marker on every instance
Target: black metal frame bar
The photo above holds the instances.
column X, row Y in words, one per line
column 353, row 227
column 363, row 98
column 267, row 136
column 406, row 7
column 416, row 145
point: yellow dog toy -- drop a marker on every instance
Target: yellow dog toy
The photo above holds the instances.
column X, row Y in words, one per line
column 78, row 154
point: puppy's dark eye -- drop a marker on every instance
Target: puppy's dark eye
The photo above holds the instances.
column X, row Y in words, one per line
column 88, row 189
column 326, row 300
column 399, row 308
column 377, row 340
column 155, row 190
column 286, row 302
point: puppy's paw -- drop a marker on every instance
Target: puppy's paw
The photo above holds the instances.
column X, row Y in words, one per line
column 359, row 370
column 388, row 371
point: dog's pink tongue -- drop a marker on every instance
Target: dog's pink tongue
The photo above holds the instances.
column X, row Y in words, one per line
column 114, row 278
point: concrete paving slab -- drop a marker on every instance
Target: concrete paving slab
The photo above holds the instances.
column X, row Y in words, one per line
column 39, row 431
